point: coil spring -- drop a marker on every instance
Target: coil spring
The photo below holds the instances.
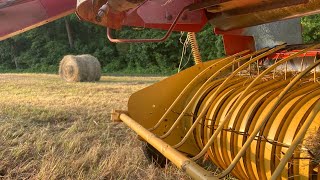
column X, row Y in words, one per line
column 194, row 47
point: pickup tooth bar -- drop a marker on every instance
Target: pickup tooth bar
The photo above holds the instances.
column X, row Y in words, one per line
column 249, row 119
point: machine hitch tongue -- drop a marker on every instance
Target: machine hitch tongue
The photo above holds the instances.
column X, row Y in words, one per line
column 176, row 157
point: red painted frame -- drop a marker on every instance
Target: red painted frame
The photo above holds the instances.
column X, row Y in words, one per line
column 28, row 14
column 284, row 54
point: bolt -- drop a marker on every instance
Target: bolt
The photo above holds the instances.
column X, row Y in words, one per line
column 169, row 17
column 184, row 17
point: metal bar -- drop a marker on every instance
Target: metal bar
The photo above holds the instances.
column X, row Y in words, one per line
column 206, row 4
column 264, row 6
column 191, row 7
column 194, row 80
column 258, row 70
column 275, row 69
column 233, row 64
column 285, row 54
column 175, row 124
column 315, row 69
column 256, row 130
column 219, row 129
column 224, row 121
column 250, row 68
column 177, row 158
column 296, row 141
column 214, row 96
column 165, row 37
column 302, row 62
column 276, row 62
column 285, row 71
column 225, row 21
column 238, row 83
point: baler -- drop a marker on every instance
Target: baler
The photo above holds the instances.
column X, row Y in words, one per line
column 254, row 113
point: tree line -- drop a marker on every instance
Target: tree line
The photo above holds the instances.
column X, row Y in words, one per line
column 41, row 49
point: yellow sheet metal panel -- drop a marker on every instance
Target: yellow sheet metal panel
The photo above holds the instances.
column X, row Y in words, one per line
column 242, row 121
column 148, row 105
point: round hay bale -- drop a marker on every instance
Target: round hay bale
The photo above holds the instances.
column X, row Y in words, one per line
column 81, row 68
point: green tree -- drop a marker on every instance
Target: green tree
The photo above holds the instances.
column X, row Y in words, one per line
column 41, row 49
column 311, row 28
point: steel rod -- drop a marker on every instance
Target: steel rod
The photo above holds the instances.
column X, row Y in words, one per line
column 175, row 124
column 256, row 130
column 214, row 96
column 315, row 69
column 190, row 85
column 219, row 129
column 165, row 37
column 177, row 158
column 225, row 119
column 296, row 141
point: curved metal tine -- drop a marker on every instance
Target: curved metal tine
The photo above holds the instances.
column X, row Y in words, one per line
column 249, row 67
column 261, row 124
column 234, row 62
column 315, row 69
column 175, row 124
column 285, row 71
column 216, row 93
column 195, row 79
column 224, row 121
column 258, row 70
column 274, row 72
column 296, row 141
column 202, row 113
column 233, row 65
column 302, row 62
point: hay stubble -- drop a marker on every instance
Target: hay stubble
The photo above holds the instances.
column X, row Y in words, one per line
column 50, row 129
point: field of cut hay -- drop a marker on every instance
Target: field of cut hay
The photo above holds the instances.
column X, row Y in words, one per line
column 50, row 129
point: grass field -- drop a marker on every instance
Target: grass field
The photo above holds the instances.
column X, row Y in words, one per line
column 50, row 129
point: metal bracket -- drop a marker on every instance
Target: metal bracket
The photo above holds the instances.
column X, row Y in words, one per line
column 115, row 115
column 165, row 37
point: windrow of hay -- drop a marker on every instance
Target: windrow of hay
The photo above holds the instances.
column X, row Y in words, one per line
column 81, row 68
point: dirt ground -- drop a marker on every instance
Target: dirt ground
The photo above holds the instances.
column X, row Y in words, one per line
column 50, row 129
